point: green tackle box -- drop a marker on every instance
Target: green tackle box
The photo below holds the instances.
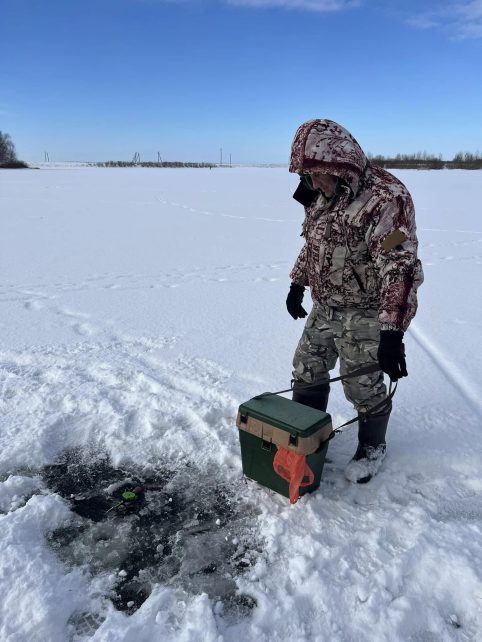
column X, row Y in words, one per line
column 269, row 422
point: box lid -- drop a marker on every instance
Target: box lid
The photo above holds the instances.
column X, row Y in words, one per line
column 286, row 414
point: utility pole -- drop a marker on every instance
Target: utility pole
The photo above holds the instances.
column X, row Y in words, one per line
column 46, row 157
column 221, row 154
column 159, row 159
column 229, row 160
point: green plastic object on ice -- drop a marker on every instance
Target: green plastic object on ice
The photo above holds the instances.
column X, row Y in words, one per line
column 268, row 423
column 128, row 496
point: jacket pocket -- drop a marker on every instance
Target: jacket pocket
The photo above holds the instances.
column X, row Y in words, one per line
column 337, row 266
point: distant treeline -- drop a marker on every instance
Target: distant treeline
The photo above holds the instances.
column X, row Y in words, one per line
column 148, row 164
column 423, row 160
column 13, row 165
column 8, row 156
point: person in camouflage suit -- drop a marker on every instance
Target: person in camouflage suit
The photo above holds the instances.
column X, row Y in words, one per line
column 360, row 262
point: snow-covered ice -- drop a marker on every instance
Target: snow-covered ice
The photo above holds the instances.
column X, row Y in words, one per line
column 138, row 308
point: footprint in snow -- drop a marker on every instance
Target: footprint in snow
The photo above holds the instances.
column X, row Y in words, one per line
column 33, row 305
column 84, row 329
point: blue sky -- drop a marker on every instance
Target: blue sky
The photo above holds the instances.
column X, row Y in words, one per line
column 103, row 79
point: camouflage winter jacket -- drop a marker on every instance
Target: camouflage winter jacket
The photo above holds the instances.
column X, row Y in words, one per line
column 360, row 246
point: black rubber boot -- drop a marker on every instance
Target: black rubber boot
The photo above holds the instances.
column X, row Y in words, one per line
column 372, row 431
column 316, row 396
column 371, row 449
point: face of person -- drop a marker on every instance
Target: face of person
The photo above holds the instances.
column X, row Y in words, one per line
column 325, row 182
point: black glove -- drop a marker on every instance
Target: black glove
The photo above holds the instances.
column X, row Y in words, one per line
column 391, row 354
column 294, row 300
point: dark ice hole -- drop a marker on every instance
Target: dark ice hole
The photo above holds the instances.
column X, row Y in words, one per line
column 187, row 529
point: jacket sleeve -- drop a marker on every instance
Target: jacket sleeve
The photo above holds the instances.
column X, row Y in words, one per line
column 299, row 273
column 393, row 249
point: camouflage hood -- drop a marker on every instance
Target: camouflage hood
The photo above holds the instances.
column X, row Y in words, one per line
column 324, row 147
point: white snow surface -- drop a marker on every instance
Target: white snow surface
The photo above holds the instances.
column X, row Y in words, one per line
column 138, row 309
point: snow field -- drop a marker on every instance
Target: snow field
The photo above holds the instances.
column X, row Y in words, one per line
column 138, row 309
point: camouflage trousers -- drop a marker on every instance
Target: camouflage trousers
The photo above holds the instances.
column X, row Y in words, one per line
column 353, row 335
